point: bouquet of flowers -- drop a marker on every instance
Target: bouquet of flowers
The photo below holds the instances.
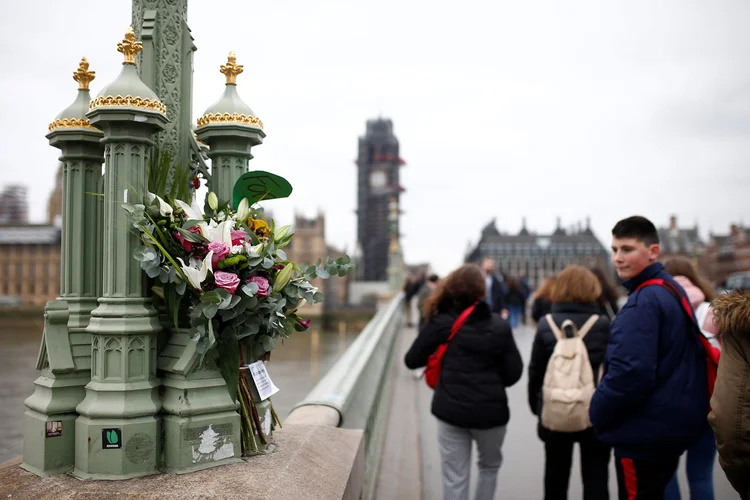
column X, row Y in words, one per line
column 224, row 276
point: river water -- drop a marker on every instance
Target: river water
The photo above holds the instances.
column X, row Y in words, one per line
column 295, row 367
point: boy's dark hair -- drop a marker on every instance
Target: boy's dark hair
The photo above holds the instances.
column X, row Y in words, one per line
column 637, row 227
column 433, row 278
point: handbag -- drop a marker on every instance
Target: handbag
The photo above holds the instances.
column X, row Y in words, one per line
column 435, row 361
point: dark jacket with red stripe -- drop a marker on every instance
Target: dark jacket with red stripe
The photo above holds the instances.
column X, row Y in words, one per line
column 653, row 399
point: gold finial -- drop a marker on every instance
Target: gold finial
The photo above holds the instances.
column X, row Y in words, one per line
column 83, row 76
column 231, row 69
column 129, row 47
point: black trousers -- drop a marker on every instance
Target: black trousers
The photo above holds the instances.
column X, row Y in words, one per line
column 558, row 448
column 643, row 479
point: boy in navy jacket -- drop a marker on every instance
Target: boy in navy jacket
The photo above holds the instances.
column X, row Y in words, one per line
column 653, row 399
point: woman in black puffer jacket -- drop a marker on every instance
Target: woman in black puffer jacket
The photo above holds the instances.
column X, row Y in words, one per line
column 470, row 402
column 575, row 298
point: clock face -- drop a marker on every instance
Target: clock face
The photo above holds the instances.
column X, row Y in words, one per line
column 378, row 179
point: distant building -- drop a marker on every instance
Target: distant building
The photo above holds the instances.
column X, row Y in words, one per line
column 538, row 256
column 378, row 163
column 30, row 263
column 54, row 205
column 307, row 246
column 14, row 208
column 676, row 241
column 726, row 254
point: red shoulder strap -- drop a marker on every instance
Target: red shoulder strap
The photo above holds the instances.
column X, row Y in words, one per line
column 461, row 320
column 684, row 302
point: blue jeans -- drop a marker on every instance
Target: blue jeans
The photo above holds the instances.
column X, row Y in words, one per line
column 514, row 316
column 699, row 467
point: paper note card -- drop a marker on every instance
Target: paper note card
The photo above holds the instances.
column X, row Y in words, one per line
column 262, row 381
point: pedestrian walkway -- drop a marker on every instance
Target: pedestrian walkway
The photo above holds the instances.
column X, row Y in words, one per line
column 410, row 466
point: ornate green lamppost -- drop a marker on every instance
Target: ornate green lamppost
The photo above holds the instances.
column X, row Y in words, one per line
column 65, row 354
column 231, row 129
column 118, row 432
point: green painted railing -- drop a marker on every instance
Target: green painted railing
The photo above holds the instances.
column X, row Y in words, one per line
column 359, row 385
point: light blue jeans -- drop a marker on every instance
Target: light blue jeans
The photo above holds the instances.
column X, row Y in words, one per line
column 699, row 466
column 455, row 457
column 514, row 316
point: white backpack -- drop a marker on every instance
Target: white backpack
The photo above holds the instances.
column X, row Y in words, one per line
column 569, row 380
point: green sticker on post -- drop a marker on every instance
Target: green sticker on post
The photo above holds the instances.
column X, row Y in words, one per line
column 259, row 185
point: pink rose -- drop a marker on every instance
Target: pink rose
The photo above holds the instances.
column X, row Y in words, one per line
column 221, row 250
column 227, row 281
column 262, row 283
column 238, row 236
column 188, row 246
column 185, row 243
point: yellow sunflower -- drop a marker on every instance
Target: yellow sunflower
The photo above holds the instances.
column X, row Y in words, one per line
column 259, row 227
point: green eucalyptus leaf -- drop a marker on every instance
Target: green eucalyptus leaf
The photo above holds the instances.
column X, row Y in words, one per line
column 250, row 289
column 322, row 273
column 153, row 272
column 268, row 343
column 211, row 297
column 210, row 310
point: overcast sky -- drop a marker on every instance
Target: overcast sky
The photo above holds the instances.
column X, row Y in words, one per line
column 535, row 108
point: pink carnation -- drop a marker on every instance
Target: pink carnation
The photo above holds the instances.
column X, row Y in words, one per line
column 220, row 250
column 304, row 323
column 262, row 283
column 238, row 236
column 227, row 281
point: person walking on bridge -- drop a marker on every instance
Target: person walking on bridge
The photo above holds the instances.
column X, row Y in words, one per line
column 652, row 402
column 470, row 402
column 575, row 315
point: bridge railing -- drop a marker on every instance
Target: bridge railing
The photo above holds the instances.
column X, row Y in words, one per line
column 359, row 387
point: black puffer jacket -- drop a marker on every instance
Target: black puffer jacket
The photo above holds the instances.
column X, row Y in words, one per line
column 480, row 362
column 596, row 341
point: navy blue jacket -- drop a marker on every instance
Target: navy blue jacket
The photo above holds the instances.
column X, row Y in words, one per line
column 653, row 399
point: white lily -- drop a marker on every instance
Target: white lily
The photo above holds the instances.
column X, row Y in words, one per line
column 222, row 233
column 243, row 210
column 196, row 277
column 164, row 208
column 194, row 212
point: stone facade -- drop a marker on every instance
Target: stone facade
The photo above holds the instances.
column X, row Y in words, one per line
column 726, row 254
column 14, row 208
column 309, row 245
column 378, row 185
column 538, row 256
column 676, row 241
column 30, row 263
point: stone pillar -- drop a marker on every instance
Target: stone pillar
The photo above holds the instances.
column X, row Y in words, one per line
column 65, row 354
column 118, row 432
column 231, row 129
column 166, row 66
